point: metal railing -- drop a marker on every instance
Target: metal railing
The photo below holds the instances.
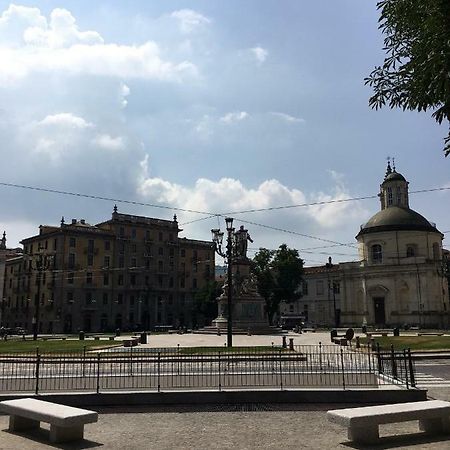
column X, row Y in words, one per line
column 164, row 369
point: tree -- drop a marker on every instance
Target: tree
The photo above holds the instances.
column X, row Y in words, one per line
column 205, row 302
column 279, row 273
column 416, row 68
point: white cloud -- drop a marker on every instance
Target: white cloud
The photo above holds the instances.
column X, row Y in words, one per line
column 31, row 44
column 190, row 20
column 65, row 120
column 124, row 92
column 107, row 142
column 234, row 117
column 229, row 194
column 287, row 117
column 260, row 54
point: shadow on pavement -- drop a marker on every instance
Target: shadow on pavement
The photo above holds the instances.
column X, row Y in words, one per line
column 42, row 436
column 400, row 441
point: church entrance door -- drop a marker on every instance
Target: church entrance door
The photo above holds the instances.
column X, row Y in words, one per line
column 378, row 306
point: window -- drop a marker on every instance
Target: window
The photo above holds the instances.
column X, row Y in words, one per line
column 133, row 262
column 120, row 280
column 133, row 279
column 70, row 297
column 106, row 279
column 194, row 283
column 133, row 248
column 319, row 287
column 182, row 283
column 171, row 282
column 171, row 251
column 377, row 253
column 120, row 299
column 90, row 245
column 183, row 253
column 160, row 236
column 389, row 192
column 121, row 231
column 89, row 278
column 336, row 287
column 305, row 288
column 147, row 235
column 70, row 278
column 107, row 245
column 410, row 251
column 121, row 262
column 160, row 266
column 160, row 251
column 160, row 281
column 170, row 300
column 105, row 298
column 55, row 244
column 133, row 233
column 399, row 195
column 436, row 252
column 106, row 261
column 90, row 259
column 71, row 260
column 131, row 300
column 89, row 299
column 147, row 282
column 72, row 242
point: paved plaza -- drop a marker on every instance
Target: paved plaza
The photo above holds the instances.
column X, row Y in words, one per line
column 247, row 426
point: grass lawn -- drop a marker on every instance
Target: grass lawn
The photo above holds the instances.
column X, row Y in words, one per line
column 223, row 350
column 413, row 342
column 52, row 346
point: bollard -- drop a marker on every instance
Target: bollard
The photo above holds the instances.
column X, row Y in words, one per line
column 358, row 345
column 143, row 337
column 81, row 335
column 291, row 344
column 284, row 342
column 118, row 332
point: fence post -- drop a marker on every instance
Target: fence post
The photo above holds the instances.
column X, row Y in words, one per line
column 393, row 363
column 411, row 369
column 380, row 362
column 320, row 355
column 220, row 382
column 84, row 362
column 281, row 372
column 406, row 368
column 130, row 365
column 98, row 373
column 369, row 354
column 38, row 363
column 159, row 371
column 343, row 370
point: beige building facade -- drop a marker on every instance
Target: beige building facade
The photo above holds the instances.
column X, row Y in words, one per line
column 129, row 272
column 399, row 278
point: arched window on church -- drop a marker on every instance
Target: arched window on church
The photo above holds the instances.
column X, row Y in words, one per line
column 410, row 251
column 377, row 253
column 436, row 252
column 399, row 195
column 389, row 193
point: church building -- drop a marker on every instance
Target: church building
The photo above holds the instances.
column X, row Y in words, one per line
column 399, row 278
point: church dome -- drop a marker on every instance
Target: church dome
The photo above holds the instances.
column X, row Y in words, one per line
column 396, row 218
column 394, row 176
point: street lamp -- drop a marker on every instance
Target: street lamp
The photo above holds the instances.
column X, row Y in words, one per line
column 40, row 264
column 332, row 285
column 217, row 237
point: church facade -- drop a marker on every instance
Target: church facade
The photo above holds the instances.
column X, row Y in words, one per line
column 398, row 279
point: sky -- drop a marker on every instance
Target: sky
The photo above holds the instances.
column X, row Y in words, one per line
column 207, row 106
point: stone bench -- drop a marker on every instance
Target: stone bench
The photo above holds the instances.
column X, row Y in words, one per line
column 362, row 423
column 131, row 342
column 66, row 423
column 430, row 334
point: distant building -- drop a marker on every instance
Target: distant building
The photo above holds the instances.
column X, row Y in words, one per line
column 5, row 253
column 129, row 272
column 400, row 278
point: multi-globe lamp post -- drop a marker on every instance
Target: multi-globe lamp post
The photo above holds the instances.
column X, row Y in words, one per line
column 217, row 237
column 40, row 263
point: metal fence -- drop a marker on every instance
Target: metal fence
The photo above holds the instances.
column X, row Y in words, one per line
column 181, row 368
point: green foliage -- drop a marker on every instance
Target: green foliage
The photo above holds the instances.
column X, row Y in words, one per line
column 279, row 273
column 415, row 74
column 205, row 301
